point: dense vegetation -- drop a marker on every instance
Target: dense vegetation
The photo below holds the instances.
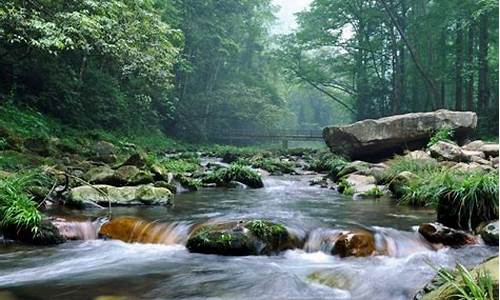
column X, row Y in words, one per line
column 378, row 58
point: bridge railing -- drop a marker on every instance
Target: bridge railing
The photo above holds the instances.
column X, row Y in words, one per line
column 278, row 134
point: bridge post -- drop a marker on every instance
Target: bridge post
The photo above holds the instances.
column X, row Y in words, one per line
column 284, row 144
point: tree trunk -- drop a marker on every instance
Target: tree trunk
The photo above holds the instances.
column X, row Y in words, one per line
column 469, row 85
column 459, row 66
column 483, row 93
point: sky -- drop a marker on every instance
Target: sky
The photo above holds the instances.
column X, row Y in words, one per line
column 286, row 20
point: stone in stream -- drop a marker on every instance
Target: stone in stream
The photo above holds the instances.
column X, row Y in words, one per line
column 489, row 233
column 356, row 243
column 48, row 234
column 399, row 182
column 128, row 195
column 448, row 152
column 436, row 233
column 255, row 237
column 372, row 139
column 124, row 175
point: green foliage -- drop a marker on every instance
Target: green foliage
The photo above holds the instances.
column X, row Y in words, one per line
column 470, row 194
column 189, row 183
column 468, row 286
column 16, row 206
column 272, row 165
column 443, row 134
column 236, row 172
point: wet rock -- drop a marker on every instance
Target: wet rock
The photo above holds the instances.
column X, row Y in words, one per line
column 105, row 152
column 160, row 173
column 128, row 195
column 384, row 137
column 438, row 234
column 356, row 243
column 255, row 237
column 48, row 234
column 332, row 279
column 398, row 183
column 448, row 152
column 363, row 168
column 323, row 182
column 489, row 233
column 136, row 230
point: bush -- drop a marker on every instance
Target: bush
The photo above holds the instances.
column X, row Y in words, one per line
column 328, row 162
column 236, row 172
column 346, row 188
column 178, row 165
column 272, row 165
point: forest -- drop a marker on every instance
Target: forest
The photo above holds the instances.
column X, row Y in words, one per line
column 249, row 149
column 191, row 68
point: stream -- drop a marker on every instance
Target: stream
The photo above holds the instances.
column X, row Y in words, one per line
column 91, row 268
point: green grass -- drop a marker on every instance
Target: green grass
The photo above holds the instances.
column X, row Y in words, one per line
column 179, row 165
column 267, row 231
column 445, row 133
column 471, row 194
column 272, row 165
column 419, row 167
column 468, row 286
column 329, row 163
column 16, row 206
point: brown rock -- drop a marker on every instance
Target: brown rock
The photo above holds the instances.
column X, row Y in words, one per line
column 355, row 243
column 439, row 234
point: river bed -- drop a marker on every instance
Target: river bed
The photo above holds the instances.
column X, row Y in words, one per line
column 91, row 268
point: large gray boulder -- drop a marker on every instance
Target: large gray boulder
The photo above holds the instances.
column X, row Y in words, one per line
column 371, row 139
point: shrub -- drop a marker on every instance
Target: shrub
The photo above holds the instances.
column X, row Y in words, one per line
column 178, row 165
column 272, row 165
column 346, row 188
column 445, row 133
column 374, row 192
column 328, row 162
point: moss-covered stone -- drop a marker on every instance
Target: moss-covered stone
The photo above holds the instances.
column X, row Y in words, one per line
column 254, row 237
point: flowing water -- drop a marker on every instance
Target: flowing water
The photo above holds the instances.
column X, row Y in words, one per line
column 166, row 270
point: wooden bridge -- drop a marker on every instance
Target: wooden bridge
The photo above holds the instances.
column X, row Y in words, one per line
column 284, row 136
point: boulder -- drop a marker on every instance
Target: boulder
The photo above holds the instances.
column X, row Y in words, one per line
column 128, row 195
column 489, row 233
column 372, row 139
column 357, row 185
column 101, row 174
column 448, row 152
column 131, row 175
column 436, row 233
column 418, row 155
column 105, row 152
column 255, row 237
column 356, row 243
column 489, row 149
column 363, row 168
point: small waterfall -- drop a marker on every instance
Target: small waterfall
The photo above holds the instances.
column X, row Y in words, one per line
column 388, row 241
column 321, row 239
column 397, row 243
column 77, row 230
column 135, row 230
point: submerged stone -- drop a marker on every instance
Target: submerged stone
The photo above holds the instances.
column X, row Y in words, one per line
column 356, row 243
column 489, row 233
column 436, row 233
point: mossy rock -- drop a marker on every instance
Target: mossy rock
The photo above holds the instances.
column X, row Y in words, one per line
column 47, row 235
column 224, row 176
column 255, row 237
